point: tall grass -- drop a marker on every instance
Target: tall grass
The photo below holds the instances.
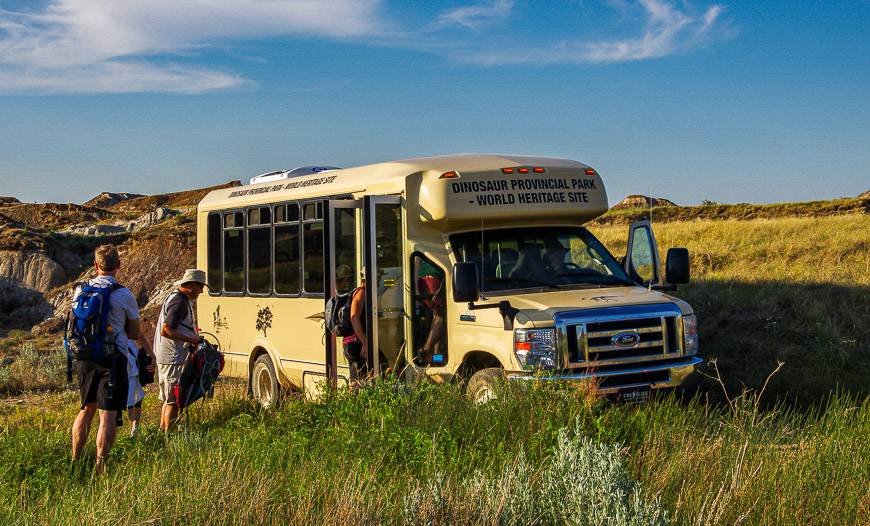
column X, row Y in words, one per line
column 421, row 454
column 795, row 290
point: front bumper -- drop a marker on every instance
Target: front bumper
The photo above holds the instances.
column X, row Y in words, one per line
column 655, row 375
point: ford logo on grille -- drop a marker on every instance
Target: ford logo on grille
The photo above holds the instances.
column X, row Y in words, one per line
column 626, row 339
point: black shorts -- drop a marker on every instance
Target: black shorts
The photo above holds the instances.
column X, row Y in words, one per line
column 104, row 383
column 357, row 362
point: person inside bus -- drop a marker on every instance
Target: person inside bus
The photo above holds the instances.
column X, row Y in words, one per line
column 554, row 257
column 529, row 265
column 356, row 345
column 431, row 298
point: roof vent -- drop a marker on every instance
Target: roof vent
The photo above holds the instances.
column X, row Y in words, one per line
column 287, row 174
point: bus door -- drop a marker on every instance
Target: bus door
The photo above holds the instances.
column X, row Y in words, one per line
column 342, row 261
column 380, row 252
column 383, row 246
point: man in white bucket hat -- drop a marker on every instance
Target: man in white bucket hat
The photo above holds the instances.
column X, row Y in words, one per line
column 176, row 327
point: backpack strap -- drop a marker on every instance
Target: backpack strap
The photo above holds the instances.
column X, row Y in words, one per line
column 189, row 309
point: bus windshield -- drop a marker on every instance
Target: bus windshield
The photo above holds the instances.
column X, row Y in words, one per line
column 538, row 257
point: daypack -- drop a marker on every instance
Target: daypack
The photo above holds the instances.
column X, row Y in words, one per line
column 86, row 335
column 143, row 360
column 201, row 369
column 337, row 314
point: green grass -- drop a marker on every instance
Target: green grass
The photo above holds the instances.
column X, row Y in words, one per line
column 421, row 454
column 795, row 290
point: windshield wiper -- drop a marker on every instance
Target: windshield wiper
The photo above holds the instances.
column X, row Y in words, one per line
column 532, row 282
column 598, row 279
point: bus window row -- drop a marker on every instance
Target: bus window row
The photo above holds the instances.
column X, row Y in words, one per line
column 266, row 250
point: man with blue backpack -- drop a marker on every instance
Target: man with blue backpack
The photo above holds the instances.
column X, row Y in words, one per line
column 104, row 318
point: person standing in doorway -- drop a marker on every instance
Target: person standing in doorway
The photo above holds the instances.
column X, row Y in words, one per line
column 356, row 345
column 176, row 328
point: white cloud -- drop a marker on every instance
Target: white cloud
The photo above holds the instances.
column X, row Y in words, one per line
column 118, row 77
column 666, row 30
column 105, row 45
column 120, row 46
column 475, row 16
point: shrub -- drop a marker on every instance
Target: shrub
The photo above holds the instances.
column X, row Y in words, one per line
column 583, row 483
column 32, row 370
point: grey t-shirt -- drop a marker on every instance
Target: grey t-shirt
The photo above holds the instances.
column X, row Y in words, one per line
column 177, row 313
column 122, row 307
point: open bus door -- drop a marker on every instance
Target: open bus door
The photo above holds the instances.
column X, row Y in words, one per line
column 380, row 252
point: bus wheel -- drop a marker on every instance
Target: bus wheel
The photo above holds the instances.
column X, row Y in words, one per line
column 482, row 385
column 264, row 382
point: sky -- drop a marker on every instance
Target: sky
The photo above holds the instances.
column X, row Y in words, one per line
column 729, row 101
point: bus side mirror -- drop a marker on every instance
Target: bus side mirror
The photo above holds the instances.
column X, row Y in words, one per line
column 677, row 266
column 466, row 288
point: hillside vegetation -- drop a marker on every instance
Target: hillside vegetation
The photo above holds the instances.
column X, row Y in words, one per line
column 793, row 289
column 744, row 211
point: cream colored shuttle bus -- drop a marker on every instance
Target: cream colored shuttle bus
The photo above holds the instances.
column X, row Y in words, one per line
column 478, row 266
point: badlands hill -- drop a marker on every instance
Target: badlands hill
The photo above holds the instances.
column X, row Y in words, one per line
column 46, row 248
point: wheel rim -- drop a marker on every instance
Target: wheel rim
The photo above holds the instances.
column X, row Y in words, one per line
column 484, row 394
column 264, row 386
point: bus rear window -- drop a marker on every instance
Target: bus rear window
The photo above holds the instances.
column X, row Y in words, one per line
column 215, row 275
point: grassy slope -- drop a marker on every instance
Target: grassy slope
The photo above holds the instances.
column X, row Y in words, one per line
column 790, row 289
column 744, row 211
column 423, row 455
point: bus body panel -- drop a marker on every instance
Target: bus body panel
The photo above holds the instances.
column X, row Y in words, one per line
column 291, row 330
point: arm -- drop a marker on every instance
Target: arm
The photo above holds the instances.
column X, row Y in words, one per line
column 145, row 345
column 177, row 335
column 357, row 305
column 133, row 329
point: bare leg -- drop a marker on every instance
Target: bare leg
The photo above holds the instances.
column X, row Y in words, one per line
column 81, row 428
column 105, row 437
column 134, row 414
column 168, row 416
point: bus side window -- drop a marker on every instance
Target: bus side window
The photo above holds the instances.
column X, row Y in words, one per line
column 260, row 250
column 429, row 321
column 234, row 252
column 312, row 240
column 287, row 261
column 215, row 268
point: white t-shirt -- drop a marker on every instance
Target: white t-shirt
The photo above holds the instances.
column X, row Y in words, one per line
column 122, row 307
column 135, row 393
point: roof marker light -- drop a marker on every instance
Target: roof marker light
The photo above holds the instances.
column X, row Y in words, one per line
column 449, row 175
column 538, row 170
column 523, row 170
column 507, row 170
column 589, row 171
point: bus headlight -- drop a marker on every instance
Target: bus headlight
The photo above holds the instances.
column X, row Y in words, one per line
column 535, row 348
column 690, row 334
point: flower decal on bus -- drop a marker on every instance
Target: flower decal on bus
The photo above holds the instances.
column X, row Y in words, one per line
column 264, row 320
column 219, row 322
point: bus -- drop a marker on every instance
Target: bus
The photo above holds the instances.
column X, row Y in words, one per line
column 478, row 268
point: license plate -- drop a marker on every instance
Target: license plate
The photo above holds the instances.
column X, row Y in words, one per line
column 635, row 396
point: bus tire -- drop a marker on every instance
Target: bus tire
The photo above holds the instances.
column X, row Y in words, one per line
column 264, row 382
column 483, row 384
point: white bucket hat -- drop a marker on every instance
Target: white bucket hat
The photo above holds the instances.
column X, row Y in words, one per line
column 192, row 275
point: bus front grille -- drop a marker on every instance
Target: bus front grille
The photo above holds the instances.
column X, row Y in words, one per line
column 619, row 335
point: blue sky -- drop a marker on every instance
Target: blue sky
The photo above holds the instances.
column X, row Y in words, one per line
column 728, row 101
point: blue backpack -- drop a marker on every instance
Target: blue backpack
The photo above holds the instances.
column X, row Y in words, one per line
column 85, row 336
